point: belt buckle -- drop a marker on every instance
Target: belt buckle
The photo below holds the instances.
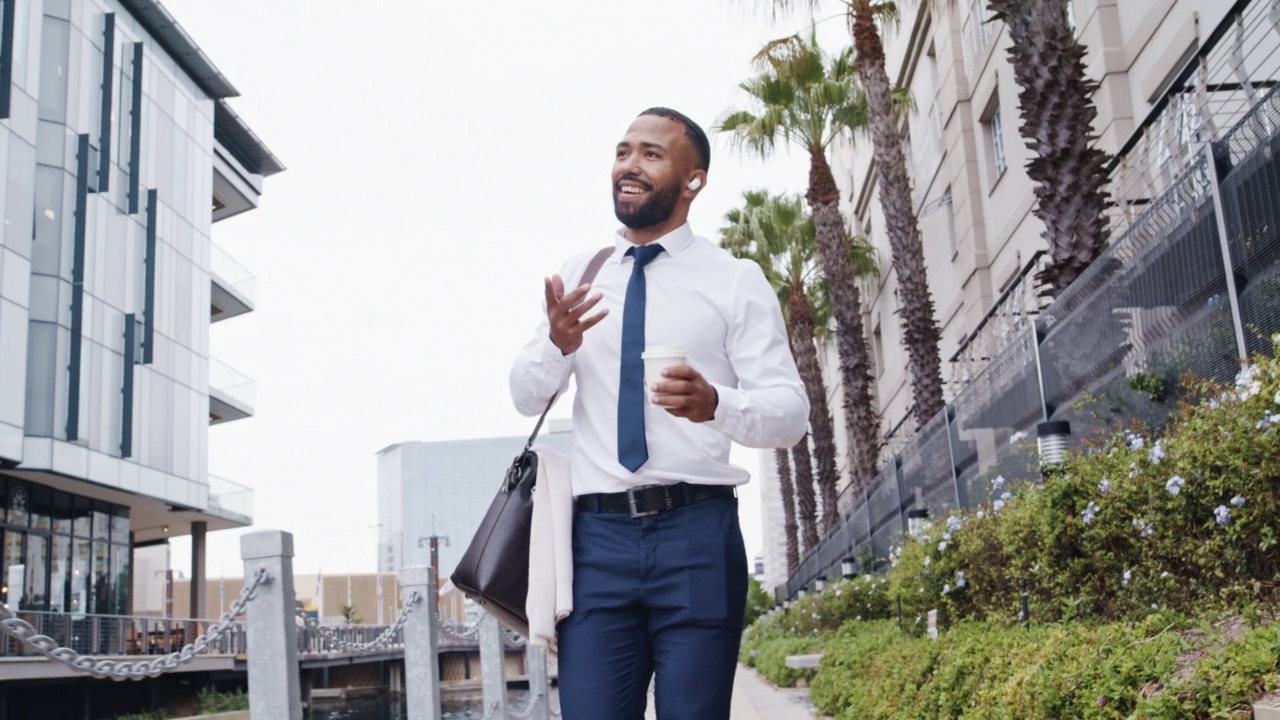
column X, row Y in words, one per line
column 631, row 500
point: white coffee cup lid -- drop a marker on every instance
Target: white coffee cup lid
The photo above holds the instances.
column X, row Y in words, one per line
column 662, row 351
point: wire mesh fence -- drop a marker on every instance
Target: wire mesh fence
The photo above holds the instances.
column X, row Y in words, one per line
column 1188, row 285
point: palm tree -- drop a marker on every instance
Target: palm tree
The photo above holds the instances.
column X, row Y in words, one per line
column 778, row 234
column 920, row 332
column 884, row 109
column 807, row 98
column 787, row 490
column 1057, row 109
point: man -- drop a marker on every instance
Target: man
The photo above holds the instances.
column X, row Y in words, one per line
column 660, row 571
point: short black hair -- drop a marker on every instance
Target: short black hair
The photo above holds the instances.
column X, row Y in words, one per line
column 691, row 131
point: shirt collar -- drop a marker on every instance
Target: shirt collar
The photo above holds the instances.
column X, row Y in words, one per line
column 674, row 242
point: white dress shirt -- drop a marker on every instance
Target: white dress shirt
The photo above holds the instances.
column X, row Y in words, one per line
column 724, row 313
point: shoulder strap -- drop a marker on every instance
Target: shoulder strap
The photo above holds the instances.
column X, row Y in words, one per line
column 588, row 276
column 593, row 267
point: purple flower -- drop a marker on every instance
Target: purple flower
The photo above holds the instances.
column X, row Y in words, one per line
column 1090, row 512
column 1223, row 515
column 1104, row 487
column 953, row 523
column 1127, row 577
column 960, row 581
column 1157, row 453
column 997, row 505
column 1238, row 501
column 1174, row 486
column 997, row 484
column 1136, row 441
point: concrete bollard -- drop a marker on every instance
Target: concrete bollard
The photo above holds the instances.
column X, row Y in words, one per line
column 271, row 629
column 535, row 660
column 421, row 667
column 493, row 667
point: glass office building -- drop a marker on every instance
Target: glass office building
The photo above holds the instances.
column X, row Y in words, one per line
column 119, row 153
column 442, row 490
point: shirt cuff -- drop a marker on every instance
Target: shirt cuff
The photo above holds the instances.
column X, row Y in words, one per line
column 550, row 357
column 728, row 413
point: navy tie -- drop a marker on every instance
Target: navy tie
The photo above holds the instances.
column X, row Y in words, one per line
column 633, row 450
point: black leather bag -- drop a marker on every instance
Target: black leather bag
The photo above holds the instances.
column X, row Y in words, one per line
column 494, row 571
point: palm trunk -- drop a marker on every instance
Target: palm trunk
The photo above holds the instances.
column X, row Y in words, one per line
column 919, row 327
column 800, row 315
column 1057, row 123
column 861, row 419
column 806, row 499
column 788, row 491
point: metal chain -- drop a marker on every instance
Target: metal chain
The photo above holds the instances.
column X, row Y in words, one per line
column 528, row 711
column 450, row 628
column 23, row 632
column 383, row 639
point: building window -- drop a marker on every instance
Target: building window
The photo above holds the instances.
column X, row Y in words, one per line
column 877, row 350
column 993, row 127
column 951, row 223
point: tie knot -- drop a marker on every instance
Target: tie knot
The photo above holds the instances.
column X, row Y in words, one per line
column 644, row 254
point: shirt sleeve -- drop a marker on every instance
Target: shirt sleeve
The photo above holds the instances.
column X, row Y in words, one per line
column 541, row 370
column 769, row 407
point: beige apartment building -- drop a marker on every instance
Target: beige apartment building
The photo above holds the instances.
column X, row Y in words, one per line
column 967, row 162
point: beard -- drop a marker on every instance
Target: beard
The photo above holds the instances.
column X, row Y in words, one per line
column 654, row 211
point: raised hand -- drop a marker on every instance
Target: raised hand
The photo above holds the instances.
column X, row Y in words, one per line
column 565, row 313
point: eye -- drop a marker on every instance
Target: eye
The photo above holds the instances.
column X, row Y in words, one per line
column 652, row 154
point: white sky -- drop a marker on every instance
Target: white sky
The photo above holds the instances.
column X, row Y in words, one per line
column 443, row 157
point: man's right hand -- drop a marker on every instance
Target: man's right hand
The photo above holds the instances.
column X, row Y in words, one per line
column 565, row 311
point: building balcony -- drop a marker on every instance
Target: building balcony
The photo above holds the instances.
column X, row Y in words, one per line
column 230, row 500
column 240, row 162
column 231, row 393
column 234, row 287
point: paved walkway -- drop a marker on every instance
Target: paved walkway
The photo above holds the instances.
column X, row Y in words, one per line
column 755, row 699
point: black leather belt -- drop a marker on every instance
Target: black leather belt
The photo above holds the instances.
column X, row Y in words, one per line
column 651, row 499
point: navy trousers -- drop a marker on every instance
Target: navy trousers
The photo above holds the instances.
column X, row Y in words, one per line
column 660, row 596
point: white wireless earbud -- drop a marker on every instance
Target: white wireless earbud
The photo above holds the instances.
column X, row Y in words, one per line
column 695, row 183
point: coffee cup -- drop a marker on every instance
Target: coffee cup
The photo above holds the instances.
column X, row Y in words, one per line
column 658, row 358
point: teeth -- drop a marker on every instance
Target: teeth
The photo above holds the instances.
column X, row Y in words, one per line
column 631, row 190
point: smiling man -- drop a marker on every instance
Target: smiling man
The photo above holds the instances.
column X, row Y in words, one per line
column 660, row 571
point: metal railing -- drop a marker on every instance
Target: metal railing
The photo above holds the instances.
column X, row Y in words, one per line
column 1189, row 283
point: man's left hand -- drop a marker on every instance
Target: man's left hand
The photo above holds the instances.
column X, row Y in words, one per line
column 685, row 393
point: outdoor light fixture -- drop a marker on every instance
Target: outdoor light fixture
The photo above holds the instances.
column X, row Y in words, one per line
column 848, row 568
column 1051, row 438
column 801, row 593
column 820, row 583
column 915, row 518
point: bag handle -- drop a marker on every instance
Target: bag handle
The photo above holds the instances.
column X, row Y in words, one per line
column 588, row 276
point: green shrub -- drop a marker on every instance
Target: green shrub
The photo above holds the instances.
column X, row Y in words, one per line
column 1115, row 550
column 1186, row 522
column 1157, row 669
column 154, row 715
column 210, row 701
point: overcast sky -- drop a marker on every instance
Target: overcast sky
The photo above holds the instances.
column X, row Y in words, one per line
column 442, row 158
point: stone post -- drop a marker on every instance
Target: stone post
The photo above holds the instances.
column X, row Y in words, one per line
column 421, row 666
column 493, row 666
column 270, row 627
column 535, row 660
